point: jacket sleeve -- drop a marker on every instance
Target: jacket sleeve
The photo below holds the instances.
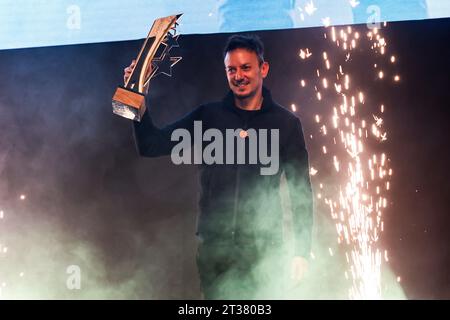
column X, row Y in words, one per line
column 296, row 167
column 152, row 141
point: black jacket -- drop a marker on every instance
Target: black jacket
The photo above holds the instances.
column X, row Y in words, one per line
column 237, row 203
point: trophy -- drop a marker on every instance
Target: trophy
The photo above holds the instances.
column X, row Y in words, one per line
column 153, row 59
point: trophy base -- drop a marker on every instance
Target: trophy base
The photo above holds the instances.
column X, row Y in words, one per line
column 128, row 104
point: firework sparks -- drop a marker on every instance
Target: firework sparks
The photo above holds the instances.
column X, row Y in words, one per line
column 364, row 177
column 326, row 21
column 353, row 3
column 8, row 276
column 304, row 54
column 310, row 8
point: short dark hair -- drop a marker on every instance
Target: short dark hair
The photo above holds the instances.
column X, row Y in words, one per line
column 249, row 42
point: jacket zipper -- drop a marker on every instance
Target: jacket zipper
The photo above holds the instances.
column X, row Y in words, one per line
column 236, row 192
column 236, row 195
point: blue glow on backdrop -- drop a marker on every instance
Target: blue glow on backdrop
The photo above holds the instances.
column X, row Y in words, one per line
column 34, row 23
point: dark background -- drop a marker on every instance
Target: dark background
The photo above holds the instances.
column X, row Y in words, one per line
column 129, row 222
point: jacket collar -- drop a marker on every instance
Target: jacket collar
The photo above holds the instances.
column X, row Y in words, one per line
column 228, row 100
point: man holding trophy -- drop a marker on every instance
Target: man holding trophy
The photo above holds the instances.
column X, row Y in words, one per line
column 242, row 253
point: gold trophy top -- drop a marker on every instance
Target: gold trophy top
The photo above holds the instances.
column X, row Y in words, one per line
column 129, row 100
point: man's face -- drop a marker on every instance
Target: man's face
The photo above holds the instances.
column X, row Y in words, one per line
column 244, row 73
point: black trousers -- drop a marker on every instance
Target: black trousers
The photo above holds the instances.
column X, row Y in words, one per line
column 242, row 272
